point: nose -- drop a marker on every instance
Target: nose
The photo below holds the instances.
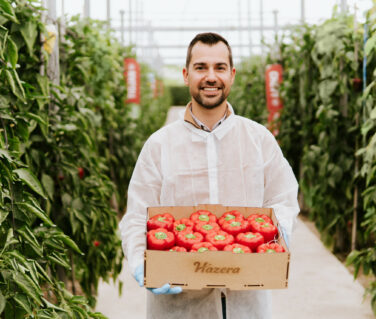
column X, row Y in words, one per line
column 211, row 76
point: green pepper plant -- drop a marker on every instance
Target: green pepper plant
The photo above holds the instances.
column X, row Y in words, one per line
column 33, row 247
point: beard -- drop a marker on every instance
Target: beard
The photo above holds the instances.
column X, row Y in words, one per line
column 209, row 103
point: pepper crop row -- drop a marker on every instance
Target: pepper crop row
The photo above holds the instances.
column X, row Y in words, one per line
column 203, row 231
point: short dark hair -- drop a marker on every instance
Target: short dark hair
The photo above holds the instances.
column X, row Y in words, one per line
column 210, row 39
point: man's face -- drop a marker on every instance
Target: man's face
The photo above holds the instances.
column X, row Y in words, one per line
column 209, row 75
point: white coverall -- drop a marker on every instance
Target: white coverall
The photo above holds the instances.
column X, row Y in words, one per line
column 237, row 164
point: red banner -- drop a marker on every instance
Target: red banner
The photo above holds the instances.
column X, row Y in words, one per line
column 273, row 79
column 133, row 80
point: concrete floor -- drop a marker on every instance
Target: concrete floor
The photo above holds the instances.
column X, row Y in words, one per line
column 319, row 285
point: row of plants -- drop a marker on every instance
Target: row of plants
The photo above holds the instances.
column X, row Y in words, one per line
column 248, row 91
column 327, row 129
column 67, row 150
column 364, row 257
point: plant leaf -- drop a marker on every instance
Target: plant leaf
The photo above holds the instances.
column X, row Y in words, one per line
column 3, row 215
column 2, row 302
column 370, row 45
column 70, row 243
column 29, row 33
column 29, row 237
column 43, row 272
column 20, row 92
column 10, row 240
column 52, row 306
column 12, row 53
column 11, row 82
column 23, row 302
column 8, row 11
column 58, row 260
column 29, row 179
column 48, row 185
column 5, row 153
column 38, row 212
column 44, row 84
column 27, row 286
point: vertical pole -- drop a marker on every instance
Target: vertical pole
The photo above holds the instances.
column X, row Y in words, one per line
column 62, row 7
column 130, row 22
column 87, row 9
column 62, row 19
column 136, row 24
column 275, row 51
column 42, row 69
column 63, row 11
column 249, row 28
column 240, row 26
column 343, row 6
column 262, row 27
column 302, row 11
column 141, row 24
column 142, row 33
column 122, row 12
column 356, row 168
column 150, row 42
column 108, row 14
column 275, row 13
column 51, row 6
column 53, row 66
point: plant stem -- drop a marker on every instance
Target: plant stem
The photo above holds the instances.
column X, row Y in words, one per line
column 73, row 274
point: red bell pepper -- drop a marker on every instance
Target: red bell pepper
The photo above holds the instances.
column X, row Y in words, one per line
column 270, row 248
column 267, row 230
column 251, row 240
column 182, row 224
column 260, row 218
column 188, row 238
column 161, row 221
column 220, row 239
column 202, row 247
column 160, row 239
column 177, row 248
column 203, row 216
column 206, row 227
column 235, row 227
column 237, row 249
column 231, row 215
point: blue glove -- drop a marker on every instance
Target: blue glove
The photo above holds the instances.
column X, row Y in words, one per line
column 164, row 290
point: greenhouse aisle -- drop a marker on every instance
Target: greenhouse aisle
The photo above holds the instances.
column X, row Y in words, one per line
column 319, row 285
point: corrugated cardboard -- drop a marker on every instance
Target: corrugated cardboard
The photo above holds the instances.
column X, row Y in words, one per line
column 216, row 269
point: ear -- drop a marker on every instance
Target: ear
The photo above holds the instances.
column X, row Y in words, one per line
column 185, row 76
column 233, row 72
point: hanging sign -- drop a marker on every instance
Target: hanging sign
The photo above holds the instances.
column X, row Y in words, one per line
column 273, row 79
column 133, row 80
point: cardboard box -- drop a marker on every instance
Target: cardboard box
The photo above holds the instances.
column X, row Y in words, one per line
column 216, row 269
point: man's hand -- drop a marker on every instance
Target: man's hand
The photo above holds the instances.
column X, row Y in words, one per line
column 164, row 290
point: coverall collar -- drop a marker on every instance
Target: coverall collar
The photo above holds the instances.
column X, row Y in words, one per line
column 189, row 118
column 219, row 132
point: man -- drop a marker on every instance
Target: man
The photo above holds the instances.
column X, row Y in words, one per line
column 211, row 156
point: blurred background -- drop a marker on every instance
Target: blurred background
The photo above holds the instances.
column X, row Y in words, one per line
column 160, row 31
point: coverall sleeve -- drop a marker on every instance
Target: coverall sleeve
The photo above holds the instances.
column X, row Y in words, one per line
column 280, row 185
column 143, row 192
